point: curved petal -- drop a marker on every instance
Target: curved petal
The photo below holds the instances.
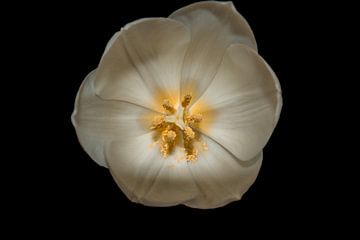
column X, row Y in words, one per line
column 145, row 176
column 111, row 42
column 221, row 177
column 245, row 98
column 214, row 26
column 98, row 122
column 279, row 97
column 143, row 64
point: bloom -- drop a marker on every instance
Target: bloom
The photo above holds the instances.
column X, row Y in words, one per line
column 180, row 108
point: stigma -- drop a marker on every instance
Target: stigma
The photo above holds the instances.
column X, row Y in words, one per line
column 176, row 128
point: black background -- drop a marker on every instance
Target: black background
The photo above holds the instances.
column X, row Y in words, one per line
column 65, row 188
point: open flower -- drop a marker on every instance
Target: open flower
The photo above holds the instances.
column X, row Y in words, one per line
column 180, row 108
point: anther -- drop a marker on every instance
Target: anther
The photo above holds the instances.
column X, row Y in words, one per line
column 168, row 106
column 189, row 133
column 186, row 100
column 195, row 118
column 157, row 122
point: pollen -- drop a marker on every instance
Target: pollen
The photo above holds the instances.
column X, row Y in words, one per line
column 186, row 101
column 168, row 136
column 189, row 133
column 168, row 106
column 158, row 122
column 176, row 129
column 195, row 118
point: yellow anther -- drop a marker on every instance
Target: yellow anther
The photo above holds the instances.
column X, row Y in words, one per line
column 168, row 106
column 195, row 118
column 189, row 133
column 186, row 100
column 191, row 157
column 173, row 123
column 158, row 122
column 168, row 136
column 164, row 149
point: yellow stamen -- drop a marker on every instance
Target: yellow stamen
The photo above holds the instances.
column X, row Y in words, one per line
column 189, row 133
column 175, row 122
column 195, row 118
column 192, row 157
column 186, row 100
column 168, row 107
column 164, row 149
column 158, row 122
column 168, row 136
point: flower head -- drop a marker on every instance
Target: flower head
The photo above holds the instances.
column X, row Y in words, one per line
column 180, row 108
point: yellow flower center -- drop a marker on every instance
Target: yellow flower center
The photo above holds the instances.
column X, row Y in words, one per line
column 176, row 127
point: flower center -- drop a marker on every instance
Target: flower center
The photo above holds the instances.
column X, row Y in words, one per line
column 176, row 127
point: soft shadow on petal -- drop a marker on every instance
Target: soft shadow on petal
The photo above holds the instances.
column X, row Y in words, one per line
column 245, row 100
column 214, row 26
column 98, row 122
column 144, row 62
column 221, row 177
column 279, row 96
column 145, row 176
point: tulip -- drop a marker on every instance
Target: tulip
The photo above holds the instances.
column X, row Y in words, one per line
column 180, row 108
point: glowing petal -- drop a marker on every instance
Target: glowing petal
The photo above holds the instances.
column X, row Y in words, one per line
column 98, row 122
column 214, row 26
column 143, row 63
column 245, row 98
column 146, row 177
column 221, row 178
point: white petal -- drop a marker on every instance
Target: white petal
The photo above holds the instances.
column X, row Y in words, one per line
column 245, row 99
column 144, row 63
column 214, row 180
column 111, row 42
column 279, row 97
column 98, row 122
column 221, row 178
column 146, row 177
column 214, row 26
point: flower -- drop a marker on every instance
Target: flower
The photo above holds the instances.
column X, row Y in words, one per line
column 180, row 108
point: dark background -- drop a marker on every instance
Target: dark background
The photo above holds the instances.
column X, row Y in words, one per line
column 63, row 188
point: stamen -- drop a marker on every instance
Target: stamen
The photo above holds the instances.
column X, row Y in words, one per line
column 195, row 118
column 192, row 156
column 168, row 106
column 190, row 152
column 164, row 149
column 158, row 122
column 168, row 136
column 189, row 133
column 175, row 122
column 186, row 100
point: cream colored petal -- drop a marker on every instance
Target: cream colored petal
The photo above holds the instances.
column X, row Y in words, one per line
column 221, row 177
column 245, row 99
column 214, row 26
column 98, row 122
column 214, row 180
column 278, row 96
column 143, row 64
column 146, row 177
column 111, row 42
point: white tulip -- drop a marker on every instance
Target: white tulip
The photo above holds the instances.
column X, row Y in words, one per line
column 180, row 108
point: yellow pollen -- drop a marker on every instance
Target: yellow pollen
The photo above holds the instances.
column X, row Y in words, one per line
column 186, row 100
column 189, row 133
column 167, row 105
column 195, row 118
column 168, row 136
column 158, row 122
column 174, row 122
